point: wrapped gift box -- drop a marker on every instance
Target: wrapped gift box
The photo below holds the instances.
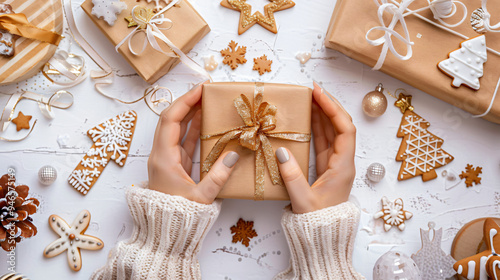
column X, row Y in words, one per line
column 432, row 45
column 219, row 114
column 31, row 55
column 187, row 30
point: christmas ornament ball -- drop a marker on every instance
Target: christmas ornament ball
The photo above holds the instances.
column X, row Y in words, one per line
column 47, row 175
column 396, row 265
column 375, row 103
column 375, row 172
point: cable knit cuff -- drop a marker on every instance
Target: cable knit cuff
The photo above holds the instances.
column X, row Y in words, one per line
column 167, row 236
column 321, row 243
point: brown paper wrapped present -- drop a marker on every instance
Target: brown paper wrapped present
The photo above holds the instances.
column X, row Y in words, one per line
column 431, row 45
column 285, row 114
column 187, row 30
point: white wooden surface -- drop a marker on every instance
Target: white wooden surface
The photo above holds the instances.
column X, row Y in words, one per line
column 302, row 28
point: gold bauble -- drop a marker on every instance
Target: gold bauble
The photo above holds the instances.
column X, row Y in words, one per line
column 375, row 103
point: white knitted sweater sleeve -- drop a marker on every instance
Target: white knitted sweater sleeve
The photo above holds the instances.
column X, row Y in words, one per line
column 321, row 243
column 166, row 239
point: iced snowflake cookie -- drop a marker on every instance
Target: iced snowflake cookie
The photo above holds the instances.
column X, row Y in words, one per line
column 108, row 9
column 112, row 140
column 72, row 239
column 7, row 40
column 465, row 65
column 486, row 264
column 393, row 214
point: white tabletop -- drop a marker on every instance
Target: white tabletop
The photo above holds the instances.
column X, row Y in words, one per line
column 301, row 29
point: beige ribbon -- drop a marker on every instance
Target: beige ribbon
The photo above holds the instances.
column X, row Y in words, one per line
column 260, row 122
column 61, row 99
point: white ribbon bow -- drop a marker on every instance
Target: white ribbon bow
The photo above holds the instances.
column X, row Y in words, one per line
column 153, row 32
column 440, row 9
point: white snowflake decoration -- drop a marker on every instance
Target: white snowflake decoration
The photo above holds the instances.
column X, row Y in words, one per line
column 72, row 239
column 158, row 6
column 111, row 142
column 108, row 9
column 393, row 214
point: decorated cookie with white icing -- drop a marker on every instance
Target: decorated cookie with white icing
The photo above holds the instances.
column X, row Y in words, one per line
column 465, row 65
column 72, row 239
column 112, row 140
column 485, row 265
column 393, row 214
column 108, row 9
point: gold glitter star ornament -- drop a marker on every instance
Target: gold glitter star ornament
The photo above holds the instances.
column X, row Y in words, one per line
column 266, row 20
column 404, row 103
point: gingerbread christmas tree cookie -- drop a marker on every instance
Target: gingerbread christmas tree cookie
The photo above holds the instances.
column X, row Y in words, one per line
column 420, row 152
column 112, row 140
column 465, row 65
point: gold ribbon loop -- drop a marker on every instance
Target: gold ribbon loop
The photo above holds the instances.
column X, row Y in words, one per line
column 260, row 121
column 18, row 24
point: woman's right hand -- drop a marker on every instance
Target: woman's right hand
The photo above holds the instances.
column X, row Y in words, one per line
column 335, row 144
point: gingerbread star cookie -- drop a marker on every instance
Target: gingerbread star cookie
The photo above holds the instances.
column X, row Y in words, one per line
column 393, row 214
column 485, row 265
column 22, row 121
column 266, row 20
column 72, row 239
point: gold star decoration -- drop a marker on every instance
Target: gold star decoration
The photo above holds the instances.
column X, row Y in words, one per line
column 142, row 13
column 404, row 103
column 22, row 121
column 247, row 19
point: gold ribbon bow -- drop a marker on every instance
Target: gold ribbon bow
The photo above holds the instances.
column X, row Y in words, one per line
column 260, row 121
column 18, row 24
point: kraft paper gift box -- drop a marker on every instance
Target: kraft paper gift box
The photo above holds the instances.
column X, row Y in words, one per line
column 187, row 30
column 353, row 18
column 293, row 114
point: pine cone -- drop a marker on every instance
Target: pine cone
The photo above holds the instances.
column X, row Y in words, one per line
column 15, row 210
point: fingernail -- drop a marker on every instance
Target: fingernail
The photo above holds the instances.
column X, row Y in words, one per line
column 282, row 155
column 318, row 85
column 230, row 159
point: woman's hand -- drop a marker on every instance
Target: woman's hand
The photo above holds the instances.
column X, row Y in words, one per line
column 335, row 143
column 170, row 161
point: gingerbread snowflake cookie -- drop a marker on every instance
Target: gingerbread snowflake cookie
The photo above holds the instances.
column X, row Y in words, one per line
column 112, row 141
column 393, row 214
column 72, row 239
column 108, row 9
column 234, row 55
column 7, row 40
column 471, row 175
column 262, row 64
column 243, row 231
